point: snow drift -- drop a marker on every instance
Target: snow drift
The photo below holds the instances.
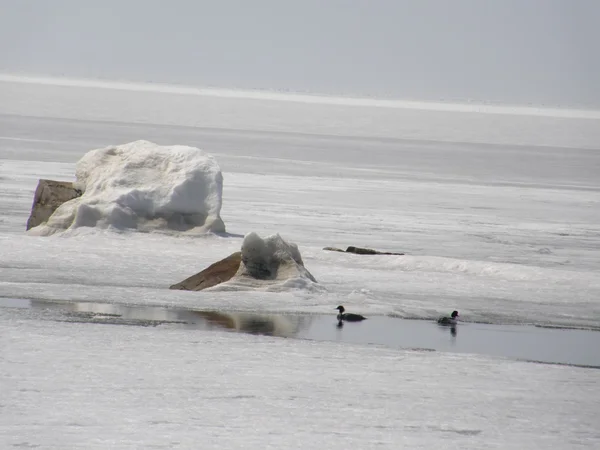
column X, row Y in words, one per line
column 143, row 186
column 270, row 264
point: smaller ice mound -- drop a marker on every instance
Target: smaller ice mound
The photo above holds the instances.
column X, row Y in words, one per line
column 146, row 187
column 270, row 264
column 271, row 258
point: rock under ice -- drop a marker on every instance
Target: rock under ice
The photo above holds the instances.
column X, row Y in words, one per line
column 143, row 186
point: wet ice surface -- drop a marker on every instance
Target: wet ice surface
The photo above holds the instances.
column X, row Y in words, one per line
column 500, row 228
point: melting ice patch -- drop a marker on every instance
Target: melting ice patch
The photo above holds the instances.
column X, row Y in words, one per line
column 143, row 186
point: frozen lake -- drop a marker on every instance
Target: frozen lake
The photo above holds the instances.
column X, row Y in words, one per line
column 498, row 215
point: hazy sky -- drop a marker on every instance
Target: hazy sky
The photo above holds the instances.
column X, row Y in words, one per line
column 523, row 51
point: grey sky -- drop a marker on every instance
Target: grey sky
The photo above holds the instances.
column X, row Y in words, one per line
column 515, row 51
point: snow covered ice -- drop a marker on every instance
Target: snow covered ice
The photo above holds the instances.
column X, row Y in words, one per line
column 498, row 216
column 96, row 386
column 143, row 186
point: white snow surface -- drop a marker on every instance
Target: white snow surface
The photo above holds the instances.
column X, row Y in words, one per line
column 505, row 229
column 97, row 386
column 144, row 186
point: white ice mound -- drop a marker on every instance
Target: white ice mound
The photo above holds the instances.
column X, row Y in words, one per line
column 272, row 264
column 143, row 186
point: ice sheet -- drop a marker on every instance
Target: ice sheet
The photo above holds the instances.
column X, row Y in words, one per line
column 503, row 229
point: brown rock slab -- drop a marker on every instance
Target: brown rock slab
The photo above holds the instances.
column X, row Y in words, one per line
column 214, row 274
column 49, row 195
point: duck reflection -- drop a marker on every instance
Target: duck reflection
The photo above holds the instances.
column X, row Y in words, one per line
column 452, row 327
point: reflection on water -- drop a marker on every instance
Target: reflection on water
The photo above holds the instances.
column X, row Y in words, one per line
column 551, row 345
column 116, row 314
column 453, row 328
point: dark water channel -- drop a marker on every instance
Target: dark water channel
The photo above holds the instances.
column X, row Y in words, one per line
column 522, row 342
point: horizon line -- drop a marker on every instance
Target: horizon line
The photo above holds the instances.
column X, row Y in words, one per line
column 310, row 98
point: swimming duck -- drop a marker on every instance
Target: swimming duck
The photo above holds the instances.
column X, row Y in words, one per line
column 452, row 320
column 348, row 317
